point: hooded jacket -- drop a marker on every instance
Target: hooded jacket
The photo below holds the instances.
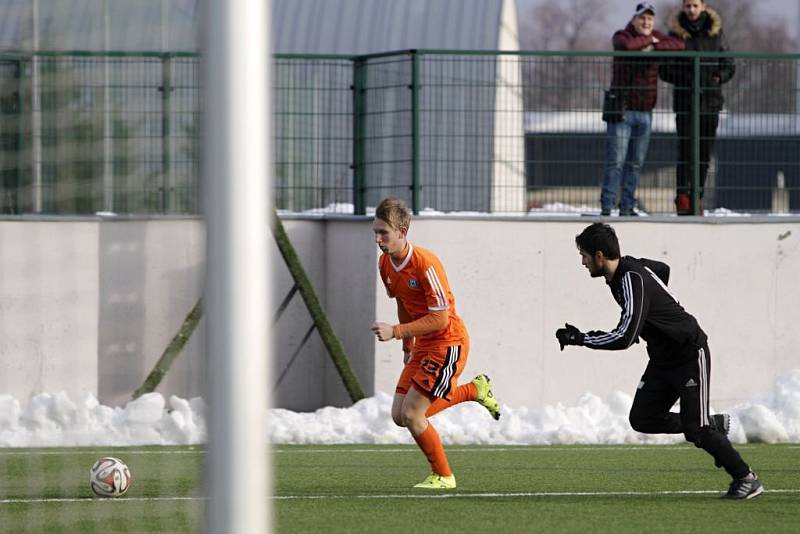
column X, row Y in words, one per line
column 637, row 78
column 650, row 312
column 704, row 36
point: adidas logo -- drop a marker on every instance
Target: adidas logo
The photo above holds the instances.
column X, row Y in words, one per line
column 691, row 383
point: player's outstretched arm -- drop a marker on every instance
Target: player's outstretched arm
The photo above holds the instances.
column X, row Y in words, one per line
column 427, row 324
column 569, row 335
column 404, row 317
column 383, row 331
column 631, row 321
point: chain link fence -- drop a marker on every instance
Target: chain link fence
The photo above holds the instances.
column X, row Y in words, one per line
column 449, row 131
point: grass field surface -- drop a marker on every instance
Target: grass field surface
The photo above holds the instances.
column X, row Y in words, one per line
column 361, row 488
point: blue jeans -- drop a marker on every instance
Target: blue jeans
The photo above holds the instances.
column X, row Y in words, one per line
column 625, row 152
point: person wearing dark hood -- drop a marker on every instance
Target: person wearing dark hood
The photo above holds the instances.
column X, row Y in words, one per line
column 635, row 81
column 700, row 28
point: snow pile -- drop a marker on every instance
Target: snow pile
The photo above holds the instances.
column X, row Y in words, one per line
column 55, row 420
column 774, row 417
column 553, row 209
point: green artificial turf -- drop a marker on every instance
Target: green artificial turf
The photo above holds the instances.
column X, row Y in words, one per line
column 359, row 488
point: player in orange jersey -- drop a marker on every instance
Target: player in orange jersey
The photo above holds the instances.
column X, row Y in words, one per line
column 435, row 340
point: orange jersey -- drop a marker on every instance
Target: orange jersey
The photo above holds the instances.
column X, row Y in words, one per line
column 421, row 286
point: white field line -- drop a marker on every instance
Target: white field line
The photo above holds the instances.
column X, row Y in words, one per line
column 520, row 448
column 511, row 495
column 379, row 449
column 513, row 448
column 521, row 494
column 409, row 448
column 94, row 499
column 109, row 451
column 517, row 448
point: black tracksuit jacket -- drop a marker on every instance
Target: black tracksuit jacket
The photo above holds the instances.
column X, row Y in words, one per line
column 651, row 312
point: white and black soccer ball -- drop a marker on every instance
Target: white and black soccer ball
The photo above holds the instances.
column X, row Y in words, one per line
column 110, row 477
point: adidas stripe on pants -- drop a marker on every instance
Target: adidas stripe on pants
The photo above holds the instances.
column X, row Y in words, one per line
column 658, row 391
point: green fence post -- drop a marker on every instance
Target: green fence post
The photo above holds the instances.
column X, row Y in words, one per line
column 172, row 351
column 415, row 131
column 696, row 134
column 166, row 108
column 20, row 140
column 359, row 133
column 306, row 288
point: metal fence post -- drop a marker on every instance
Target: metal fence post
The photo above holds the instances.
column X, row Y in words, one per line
column 20, row 196
column 36, row 136
column 359, row 133
column 415, row 186
column 167, row 187
column 108, row 127
column 696, row 134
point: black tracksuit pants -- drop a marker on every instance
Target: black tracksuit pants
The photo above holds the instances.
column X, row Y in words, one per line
column 708, row 133
column 661, row 387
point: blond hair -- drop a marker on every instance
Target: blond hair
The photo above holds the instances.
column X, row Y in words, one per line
column 394, row 212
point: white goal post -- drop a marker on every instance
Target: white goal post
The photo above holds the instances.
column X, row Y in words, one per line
column 236, row 202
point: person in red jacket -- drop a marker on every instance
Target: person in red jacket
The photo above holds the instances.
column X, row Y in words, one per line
column 635, row 80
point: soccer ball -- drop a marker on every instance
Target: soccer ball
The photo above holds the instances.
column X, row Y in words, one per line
column 110, row 477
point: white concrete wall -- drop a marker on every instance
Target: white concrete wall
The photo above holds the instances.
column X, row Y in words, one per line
column 339, row 258
column 299, row 376
column 89, row 305
column 516, row 282
column 350, row 302
column 48, row 307
column 151, row 274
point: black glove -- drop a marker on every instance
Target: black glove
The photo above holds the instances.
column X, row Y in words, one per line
column 569, row 336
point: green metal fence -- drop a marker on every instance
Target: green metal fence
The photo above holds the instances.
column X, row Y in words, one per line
column 85, row 133
column 756, row 157
column 450, row 131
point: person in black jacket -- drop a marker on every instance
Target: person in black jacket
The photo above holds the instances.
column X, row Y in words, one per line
column 679, row 364
column 700, row 27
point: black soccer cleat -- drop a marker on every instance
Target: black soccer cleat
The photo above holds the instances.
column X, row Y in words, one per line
column 721, row 422
column 748, row 487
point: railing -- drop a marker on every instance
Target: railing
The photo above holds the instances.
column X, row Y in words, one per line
column 450, row 131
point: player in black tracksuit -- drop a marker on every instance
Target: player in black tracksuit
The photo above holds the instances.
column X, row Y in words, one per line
column 680, row 362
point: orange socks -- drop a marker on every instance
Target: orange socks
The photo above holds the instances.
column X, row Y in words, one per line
column 464, row 392
column 431, row 445
column 429, row 440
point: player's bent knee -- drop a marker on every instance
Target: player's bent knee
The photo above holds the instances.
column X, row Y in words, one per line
column 411, row 417
column 398, row 420
column 695, row 435
column 406, row 420
column 635, row 424
column 639, row 424
column 397, row 415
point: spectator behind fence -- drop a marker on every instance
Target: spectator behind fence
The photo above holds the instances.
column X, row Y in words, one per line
column 700, row 27
column 634, row 83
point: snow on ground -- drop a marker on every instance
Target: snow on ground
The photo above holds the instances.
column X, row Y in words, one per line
column 55, row 420
column 555, row 209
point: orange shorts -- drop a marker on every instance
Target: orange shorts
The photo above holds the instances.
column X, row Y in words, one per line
column 434, row 373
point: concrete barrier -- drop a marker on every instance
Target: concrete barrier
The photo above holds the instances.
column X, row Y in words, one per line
column 89, row 304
